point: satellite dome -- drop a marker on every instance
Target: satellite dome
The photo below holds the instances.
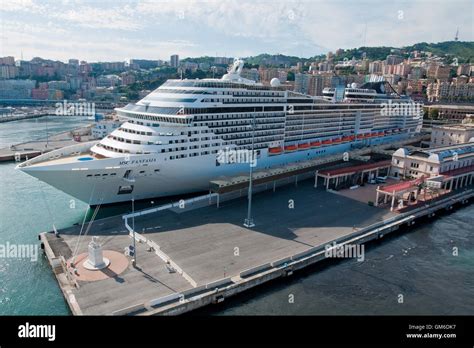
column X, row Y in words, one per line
column 354, row 85
column 275, row 82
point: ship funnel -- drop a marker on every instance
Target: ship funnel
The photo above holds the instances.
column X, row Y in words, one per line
column 237, row 66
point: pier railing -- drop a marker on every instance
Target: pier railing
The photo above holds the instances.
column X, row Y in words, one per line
column 314, row 254
column 185, row 202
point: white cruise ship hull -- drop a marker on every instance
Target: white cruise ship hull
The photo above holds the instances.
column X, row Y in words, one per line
column 102, row 181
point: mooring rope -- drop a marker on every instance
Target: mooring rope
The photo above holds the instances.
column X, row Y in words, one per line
column 83, row 222
column 96, row 211
column 47, row 206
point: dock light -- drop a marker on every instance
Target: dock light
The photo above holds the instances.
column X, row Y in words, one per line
column 248, row 222
column 134, row 260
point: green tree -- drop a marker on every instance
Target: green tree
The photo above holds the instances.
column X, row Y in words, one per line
column 434, row 113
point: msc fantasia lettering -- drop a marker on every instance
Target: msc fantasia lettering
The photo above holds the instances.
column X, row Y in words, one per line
column 146, row 160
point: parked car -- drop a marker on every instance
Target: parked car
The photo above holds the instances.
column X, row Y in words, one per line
column 381, row 179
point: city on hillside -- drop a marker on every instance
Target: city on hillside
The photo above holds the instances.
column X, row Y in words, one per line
column 440, row 73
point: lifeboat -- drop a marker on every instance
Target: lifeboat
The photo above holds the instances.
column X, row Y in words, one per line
column 303, row 146
column 275, row 150
column 290, row 148
column 360, row 136
column 348, row 138
column 381, row 134
column 315, row 143
column 327, row 142
column 352, row 137
column 367, row 135
column 336, row 140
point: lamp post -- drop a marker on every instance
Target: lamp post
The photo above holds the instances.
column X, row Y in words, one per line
column 133, row 228
column 249, row 220
column 47, row 137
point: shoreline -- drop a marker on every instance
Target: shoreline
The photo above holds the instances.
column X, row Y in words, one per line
column 32, row 148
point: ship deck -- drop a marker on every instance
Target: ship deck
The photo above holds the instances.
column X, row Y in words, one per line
column 67, row 160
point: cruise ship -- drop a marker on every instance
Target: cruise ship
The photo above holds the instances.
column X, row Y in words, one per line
column 171, row 142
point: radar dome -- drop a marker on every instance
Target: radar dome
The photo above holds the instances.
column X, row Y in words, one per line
column 354, row 85
column 275, row 82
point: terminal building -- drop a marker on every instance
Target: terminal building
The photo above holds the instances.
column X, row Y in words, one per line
column 447, row 135
column 434, row 171
column 451, row 112
column 432, row 162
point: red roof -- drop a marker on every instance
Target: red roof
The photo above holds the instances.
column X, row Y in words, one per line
column 354, row 169
column 458, row 171
column 402, row 186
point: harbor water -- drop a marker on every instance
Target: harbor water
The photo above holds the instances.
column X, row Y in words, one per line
column 421, row 265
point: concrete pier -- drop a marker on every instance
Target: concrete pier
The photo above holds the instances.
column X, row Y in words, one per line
column 13, row 117
column 189, row 257
column 31, row 149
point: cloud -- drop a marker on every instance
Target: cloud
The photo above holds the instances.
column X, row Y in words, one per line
column 89, row 17
column 21, row 6
column 113, row 29
column 251, row 19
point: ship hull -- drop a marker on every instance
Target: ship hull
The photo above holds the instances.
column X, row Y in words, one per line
column 106, row 181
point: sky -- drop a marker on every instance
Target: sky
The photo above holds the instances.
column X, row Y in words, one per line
column 118, row 30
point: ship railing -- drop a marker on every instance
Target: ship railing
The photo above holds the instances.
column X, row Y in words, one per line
column 68, row 151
